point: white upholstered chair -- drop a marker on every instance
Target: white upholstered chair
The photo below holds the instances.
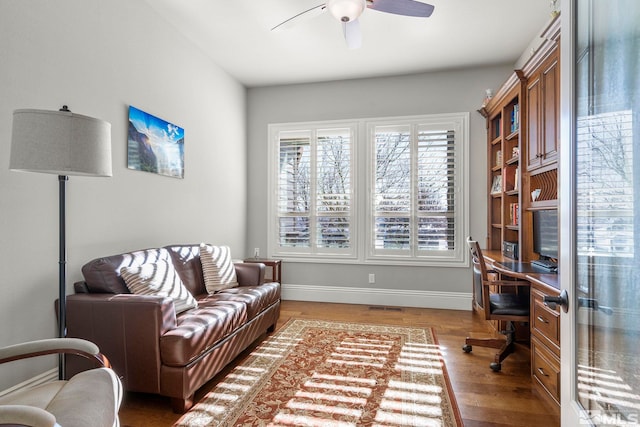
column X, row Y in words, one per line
column 90, row 398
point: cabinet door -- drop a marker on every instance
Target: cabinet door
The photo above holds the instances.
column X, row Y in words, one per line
column 550, row 97
column 533, row 122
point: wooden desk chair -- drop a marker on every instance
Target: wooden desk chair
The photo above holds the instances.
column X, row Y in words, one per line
column 506, row 300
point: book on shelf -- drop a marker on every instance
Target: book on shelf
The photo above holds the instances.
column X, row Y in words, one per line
column 515, row 118
column 496, row 128
column 499, row 158
column 514, row 214
column 510, row 178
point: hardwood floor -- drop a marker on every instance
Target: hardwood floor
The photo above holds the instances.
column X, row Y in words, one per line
column 485, row 398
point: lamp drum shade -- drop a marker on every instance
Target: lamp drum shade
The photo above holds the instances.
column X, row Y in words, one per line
column 61, row 143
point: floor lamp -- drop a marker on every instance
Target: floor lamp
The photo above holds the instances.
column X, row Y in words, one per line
column 60, row 143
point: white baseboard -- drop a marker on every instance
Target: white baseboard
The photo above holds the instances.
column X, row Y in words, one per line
column 384, row 297
column 45, row 377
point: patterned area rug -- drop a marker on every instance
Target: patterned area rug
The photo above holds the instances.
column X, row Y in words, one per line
column 318, row 373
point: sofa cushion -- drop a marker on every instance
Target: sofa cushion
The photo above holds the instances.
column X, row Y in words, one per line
column 160, row 279
column 217, row 268
column 186, row 260
column 256, row 298
column 199, row 329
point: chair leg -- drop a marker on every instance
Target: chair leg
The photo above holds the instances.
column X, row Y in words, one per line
column 505, row 347
column 482, row 342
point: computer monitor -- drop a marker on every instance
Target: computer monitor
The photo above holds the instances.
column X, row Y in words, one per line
column 545, row 233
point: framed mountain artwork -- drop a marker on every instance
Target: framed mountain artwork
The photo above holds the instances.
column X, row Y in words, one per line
column 154, row 145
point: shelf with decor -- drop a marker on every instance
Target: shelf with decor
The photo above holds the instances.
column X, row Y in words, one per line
column 544, row 189
column 512, row 161
column 503, row 157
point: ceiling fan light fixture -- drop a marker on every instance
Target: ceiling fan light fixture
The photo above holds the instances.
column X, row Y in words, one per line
column 346, row 10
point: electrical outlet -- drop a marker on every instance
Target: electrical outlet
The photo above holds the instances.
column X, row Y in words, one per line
column 256, row 252
column 372, row 278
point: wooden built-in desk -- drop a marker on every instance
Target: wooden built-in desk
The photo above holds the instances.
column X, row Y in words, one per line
column 544, row 323
column 521, row 270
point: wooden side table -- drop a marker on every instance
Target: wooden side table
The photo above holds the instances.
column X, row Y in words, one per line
column 273, row 268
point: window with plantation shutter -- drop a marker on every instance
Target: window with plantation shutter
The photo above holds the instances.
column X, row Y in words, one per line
column 436, row 202
column 294, row 183
column 314, row 202
column 389, row 191
column 333, row 189
column 392, row 196
column 415, row 201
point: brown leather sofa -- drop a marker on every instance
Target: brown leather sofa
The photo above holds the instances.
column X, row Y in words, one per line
column 151, row 348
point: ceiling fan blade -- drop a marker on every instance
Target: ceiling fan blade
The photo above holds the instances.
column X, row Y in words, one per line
column 304, row 15
column 352, row 34
column 402, row 7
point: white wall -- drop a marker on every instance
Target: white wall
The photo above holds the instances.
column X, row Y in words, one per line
column 430, row 93
column 99, row 57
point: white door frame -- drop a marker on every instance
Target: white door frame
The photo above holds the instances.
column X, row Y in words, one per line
column 572, row 413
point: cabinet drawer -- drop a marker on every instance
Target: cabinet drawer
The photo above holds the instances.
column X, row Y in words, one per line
column 545, row 321
column 545, row 368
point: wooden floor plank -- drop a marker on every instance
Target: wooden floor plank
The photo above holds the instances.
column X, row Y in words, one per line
column 485, row 398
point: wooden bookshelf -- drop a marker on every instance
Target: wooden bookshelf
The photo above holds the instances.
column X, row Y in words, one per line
column 503, row 157
column 522, row 147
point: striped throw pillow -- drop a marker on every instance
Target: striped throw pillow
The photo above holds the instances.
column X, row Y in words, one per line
column 217, row 268
column 159, row 278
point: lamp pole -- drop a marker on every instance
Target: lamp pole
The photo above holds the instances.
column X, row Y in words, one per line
column 62, row 270
column 62, row 264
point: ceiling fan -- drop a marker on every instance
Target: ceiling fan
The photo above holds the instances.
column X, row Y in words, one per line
column 348, row 12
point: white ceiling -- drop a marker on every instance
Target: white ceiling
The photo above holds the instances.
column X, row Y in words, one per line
column 237, row 35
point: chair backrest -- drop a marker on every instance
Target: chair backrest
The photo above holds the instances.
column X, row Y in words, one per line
column 518, row 309
column 479, row 273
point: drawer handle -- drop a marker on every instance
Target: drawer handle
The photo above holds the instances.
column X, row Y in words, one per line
column 542, row 319
column 542, row 372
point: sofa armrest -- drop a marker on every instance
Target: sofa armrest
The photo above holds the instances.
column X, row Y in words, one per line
column 250, row 274
column 81, row 287
column 42, row 347
column 24, row 415
column 127, row 329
